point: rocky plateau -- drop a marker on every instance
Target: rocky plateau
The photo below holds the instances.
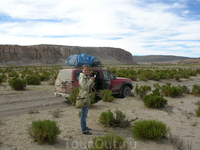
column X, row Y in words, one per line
column 57, row 54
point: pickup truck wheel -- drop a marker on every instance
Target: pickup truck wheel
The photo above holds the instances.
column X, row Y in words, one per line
column 126, row 91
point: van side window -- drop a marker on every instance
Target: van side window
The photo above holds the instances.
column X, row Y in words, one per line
column 77, row 74
column 106, row 75
column 112, row 76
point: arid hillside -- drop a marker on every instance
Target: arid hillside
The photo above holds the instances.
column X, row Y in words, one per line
column 190, row 61
column 158, row 58
column 165, row 59
column 57, row 54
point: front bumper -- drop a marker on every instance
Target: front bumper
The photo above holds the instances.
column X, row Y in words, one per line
column 61, row 94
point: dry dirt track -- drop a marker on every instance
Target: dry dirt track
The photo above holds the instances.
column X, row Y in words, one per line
column 33, row 99
column 40, row 97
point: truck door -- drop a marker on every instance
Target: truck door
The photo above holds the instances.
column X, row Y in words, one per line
column 114, row 84
column 106, row 79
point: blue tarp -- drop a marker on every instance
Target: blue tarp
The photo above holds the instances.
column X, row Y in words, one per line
column 79, row 60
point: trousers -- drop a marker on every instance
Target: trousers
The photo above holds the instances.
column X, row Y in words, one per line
column 84, row 112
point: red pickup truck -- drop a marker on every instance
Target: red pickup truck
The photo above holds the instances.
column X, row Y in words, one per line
column 104, row 79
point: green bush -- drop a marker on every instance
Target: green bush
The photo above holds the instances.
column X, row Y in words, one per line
column 198, row 112
column 105, row 118
column 154, row 101
column 106, row 95
column 156, row 92
column 142, row 77
column 33, row 80
column 44, row 131
column 93, row 98
column 198, row 103
column 149, row 129
column 17, row 84
column 185, row 89
column 118, row 120
column 1, row 79
column 142, row 91
column 73, row 95
column 13, row 74
column 177, row 77
column 44, row 77
column 155, row 77
column 196, row 90
column 109, row 142
column 171, row 91
column 157, row 86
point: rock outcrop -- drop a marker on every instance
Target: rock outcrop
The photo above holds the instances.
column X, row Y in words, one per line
column 55, row 54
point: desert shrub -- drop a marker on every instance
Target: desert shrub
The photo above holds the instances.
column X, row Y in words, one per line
column 142, row 91
column 193, row 73
column 106, row 95
column 105, row 118
column 198, row 103
column 13, row 74
column 156, row 85
column 143, row 77
column 33, row 79
column 154, row 77
column 118, row 120
column 154, row 101
column 198, row 71
column 185, row 89
column 156, row 92
column 17, row 84
column 1, row 79
column 184, row 73
column 73, row 95
column 176, row 77
column 109, row 142
column 163, row 74
column 149, row 129
column 44, row 131
column 198, row 111
column 44, row 77
column 132, row 77
column 171, row 91
column 93, row 98
column 23, row 75
column 196, row 90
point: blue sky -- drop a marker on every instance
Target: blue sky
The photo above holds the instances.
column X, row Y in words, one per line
column 142, row 27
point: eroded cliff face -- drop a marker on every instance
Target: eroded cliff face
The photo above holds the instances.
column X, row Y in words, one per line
column 55, row 54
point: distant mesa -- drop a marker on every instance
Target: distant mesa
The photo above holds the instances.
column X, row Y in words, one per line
column 57, row 54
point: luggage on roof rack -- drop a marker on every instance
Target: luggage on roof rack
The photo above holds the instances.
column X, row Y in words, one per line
column 82, row 59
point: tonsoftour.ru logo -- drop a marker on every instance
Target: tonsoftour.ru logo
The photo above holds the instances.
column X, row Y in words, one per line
column 99, row 144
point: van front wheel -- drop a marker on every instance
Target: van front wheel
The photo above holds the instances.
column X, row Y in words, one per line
column 126, row 91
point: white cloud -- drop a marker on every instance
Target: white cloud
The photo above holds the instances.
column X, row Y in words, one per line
column 131, row 25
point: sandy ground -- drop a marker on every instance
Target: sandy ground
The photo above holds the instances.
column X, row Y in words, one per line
column 19, row 108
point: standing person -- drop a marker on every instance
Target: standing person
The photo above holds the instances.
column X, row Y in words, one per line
column 85, row 88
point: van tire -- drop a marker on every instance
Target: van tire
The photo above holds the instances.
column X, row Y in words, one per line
column 126, row 91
